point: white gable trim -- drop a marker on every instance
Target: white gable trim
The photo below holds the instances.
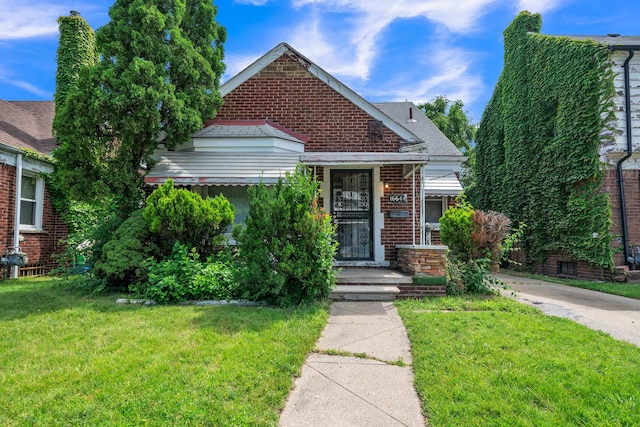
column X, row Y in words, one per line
column 323, row 76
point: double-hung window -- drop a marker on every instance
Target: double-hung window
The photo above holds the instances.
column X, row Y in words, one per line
column 31, row 201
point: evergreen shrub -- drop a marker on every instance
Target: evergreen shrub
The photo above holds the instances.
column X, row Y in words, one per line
column 288, row 245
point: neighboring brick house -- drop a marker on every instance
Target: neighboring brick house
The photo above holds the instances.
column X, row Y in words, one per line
column 384, row 168
column 619, row 156
column 25, row 129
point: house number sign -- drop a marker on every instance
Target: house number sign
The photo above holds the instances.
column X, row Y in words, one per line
column 397, row 198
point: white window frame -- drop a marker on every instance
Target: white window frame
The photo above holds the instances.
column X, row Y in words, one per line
column 445, row 205
column 39, row 201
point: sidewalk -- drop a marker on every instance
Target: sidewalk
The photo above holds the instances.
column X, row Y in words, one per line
column 618, row 316
column 353, row 391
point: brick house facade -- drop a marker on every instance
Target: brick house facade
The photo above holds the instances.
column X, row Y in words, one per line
column 25, row 129
column 370, row 159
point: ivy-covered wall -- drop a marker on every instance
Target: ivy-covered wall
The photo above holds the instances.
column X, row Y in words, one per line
column 538, row 141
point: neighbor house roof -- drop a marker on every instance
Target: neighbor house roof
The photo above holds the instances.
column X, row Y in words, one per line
column 612, row 40
column 27, row 125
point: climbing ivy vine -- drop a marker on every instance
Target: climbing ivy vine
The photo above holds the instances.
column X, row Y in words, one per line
column 538, row 142
column 76, row 48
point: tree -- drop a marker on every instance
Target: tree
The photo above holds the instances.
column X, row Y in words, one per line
column 452, row 120
column 157, row 79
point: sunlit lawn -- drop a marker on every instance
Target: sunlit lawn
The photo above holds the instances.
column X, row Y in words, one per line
column 67, row 359
column 496, row 362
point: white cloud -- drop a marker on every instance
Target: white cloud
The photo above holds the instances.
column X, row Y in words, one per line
column 27, row 19
column 252, row 2
column 538, row 6
column 237, row 63
column 352, row 50
column 10, row 80
column 451, row 75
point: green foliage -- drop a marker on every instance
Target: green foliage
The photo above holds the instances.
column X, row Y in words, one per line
column 452, row 120
column 157, row 79
column 123, row 257
column 478, row 241
column 287, row 247
column 76, row 49
column 183, row 276
column 538, row 141
column 180, row 215
column 455, row 229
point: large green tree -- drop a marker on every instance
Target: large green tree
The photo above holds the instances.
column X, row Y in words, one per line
column 452, row 120
column 157, row 80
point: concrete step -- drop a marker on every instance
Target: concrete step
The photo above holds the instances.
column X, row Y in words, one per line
column 372, row 276
column 365, row 293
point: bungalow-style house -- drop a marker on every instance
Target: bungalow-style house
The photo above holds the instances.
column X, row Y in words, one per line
column 27, row 218
column 385, row 169
column 559, row 148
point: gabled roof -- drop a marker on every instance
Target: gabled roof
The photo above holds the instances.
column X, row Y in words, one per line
column 328, row 79
column 27, row 125
column 409, row 116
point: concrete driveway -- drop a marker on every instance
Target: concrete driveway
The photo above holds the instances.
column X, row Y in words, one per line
column 618, row 316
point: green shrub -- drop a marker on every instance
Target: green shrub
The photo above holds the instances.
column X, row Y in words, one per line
column 180, row 215
column 287, row 246
column 122, row 262
column 182, row 276
column 456, row 226
column 476, row 241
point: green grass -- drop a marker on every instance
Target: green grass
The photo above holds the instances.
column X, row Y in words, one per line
column 68, row 359
column 630, row 290
column 496, row 362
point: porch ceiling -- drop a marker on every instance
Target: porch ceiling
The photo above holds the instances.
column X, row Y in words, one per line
column 362, row 158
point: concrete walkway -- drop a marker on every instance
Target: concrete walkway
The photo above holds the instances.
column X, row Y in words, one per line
column 342, row 390
column 618, row 316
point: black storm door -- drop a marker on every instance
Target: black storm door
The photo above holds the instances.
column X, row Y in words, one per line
column 351, row 208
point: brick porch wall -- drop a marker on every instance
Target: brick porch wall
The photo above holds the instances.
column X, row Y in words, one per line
column 422, row 261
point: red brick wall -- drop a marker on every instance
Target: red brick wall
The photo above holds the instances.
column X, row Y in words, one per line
column 288, row 94
column 586, row 271
column 39, row 246
column 398, row 231
column 632, row 202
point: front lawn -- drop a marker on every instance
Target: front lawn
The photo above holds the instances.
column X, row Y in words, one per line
column 494, row 361
column 68, row 359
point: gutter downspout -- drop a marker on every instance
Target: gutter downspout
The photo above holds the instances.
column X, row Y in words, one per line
column 627, row 107
column 16, row 224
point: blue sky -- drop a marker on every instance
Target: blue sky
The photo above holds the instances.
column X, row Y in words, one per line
column 386, row 50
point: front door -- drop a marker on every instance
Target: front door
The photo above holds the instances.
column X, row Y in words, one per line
column 351, row 208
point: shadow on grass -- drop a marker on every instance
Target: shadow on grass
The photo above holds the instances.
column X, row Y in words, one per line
column 235, row 319
column 24, row 297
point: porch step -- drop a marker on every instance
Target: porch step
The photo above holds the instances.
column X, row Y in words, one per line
column 372, row 276
column 365, row 293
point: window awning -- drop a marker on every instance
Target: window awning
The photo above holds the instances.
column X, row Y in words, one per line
column 441, row 183
column 207, row 168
